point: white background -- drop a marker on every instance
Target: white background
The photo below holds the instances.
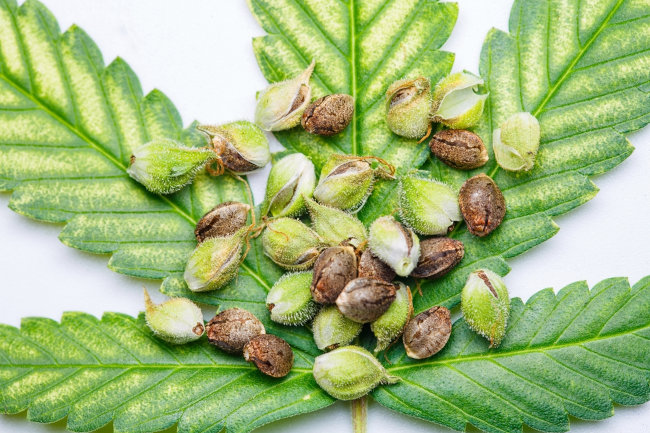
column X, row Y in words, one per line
column 199, row 53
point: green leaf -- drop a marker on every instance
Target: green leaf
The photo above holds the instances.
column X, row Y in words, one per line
column 69, row 125
column 67, row 128
column 582, row 68
column 97, row 371
column 360, row 47
column 574, row 353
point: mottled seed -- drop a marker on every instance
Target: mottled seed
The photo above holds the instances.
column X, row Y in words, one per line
column 334, row 268
column 459, row 148
column 270, row 354
column 482, row 205
column 438, row 256
column 427, row 333
column 370, row 266
column 223, row 220
column 328, row 115
column 364, row 300
column 231, row 329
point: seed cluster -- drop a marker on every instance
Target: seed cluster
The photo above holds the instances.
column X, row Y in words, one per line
column 343, row 274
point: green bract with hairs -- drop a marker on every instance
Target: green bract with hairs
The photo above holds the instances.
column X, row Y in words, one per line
column 335, row 226
column 332, row 329
column 486, row 305
column 242, row 147
column 345, row 183
column 457, row 101
column 290, row 301
column 165, row 166
column 291, row 179
column 291, row 244
column 350, row 372
column 429, row 207
column 214, row 262
column 280, row 106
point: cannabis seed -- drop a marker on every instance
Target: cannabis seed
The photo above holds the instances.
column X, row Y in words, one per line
column 482, row 205
column 328, row 115
column 242, row 146
column 370, row 266
column 334, row 268
column 350, row 372
column 459, row 148
column 486, row 305
column 364, row 300
column 231, row 329
column 331, row 329
column 427, row 333
column 270, row 354
column 437, row 257
column 223, row 220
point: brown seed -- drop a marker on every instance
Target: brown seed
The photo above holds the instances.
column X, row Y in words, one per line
column 333, row 269
column 223, row 220
column 427, row 333
column 230, row 156
column 270, row 354
column 482, row 205
column 231, row 329
column 437, row 257
column 459, row 149
column 364, row 300
column 370, row 266
column 328, row 115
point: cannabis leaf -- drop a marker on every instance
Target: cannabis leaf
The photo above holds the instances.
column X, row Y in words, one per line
column 97, row 371
column 582, row 69
column 360, row 47
column 574, row 353
column 67, row 128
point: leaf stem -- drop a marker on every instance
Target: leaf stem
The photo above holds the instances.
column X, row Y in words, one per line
column 359, row 414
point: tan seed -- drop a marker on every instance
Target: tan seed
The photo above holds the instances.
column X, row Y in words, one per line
column 482, row 205
column 364, row 300
column 270, row 354
column 328, row 115
column 427, row 333
column 438, row 256
column 334, row 268
column 459, row 149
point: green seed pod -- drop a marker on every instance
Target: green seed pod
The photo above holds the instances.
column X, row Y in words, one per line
column 350, row 372
column 335, row 226
column 177, row 321
column 214, row 262
column 241, row 146
column 289, row 300
column 332, row 329
column 427, row 206
column 516, row 143
column 291, row 179
column 457, row 102
column 164, row 166
column 408, row 105
column 486, row 305
column 291, row 244
column 394, row 244
column 391, row 324
column 280, row 106
column 345, row 183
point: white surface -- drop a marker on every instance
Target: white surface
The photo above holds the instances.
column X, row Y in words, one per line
column 201, row 57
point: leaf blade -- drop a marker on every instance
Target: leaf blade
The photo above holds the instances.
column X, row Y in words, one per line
column 560, row 357
column 95, row 371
